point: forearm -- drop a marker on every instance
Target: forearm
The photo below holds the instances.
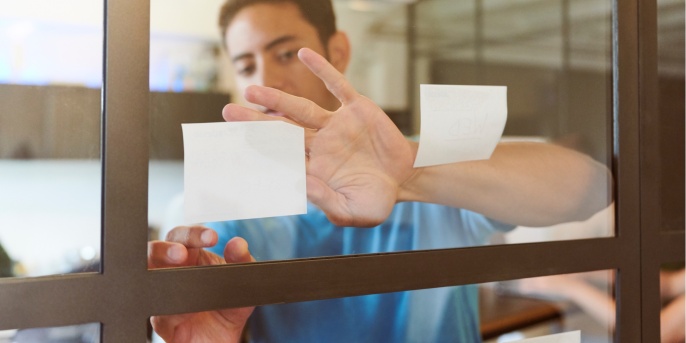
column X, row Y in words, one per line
column 596, row 303
column 591, row 300
column 672, row 321
column 529, row 184
column 671, row 283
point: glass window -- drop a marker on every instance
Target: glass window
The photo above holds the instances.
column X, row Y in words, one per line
column 50, row 170
column 85, row 333
column 472, row 299
column 495, row 312
column 554, row 57
column 557, row 72
column 188, row 83
column 584, row 301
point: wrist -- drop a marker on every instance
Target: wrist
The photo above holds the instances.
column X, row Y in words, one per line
column 408, row 189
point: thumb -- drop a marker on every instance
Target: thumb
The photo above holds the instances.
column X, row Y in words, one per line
column 236, row 251
column 322, row 196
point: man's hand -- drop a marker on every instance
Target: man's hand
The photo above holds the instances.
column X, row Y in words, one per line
column 183, row 248
column 356, row 156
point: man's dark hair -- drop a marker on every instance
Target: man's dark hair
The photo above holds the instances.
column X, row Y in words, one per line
column 319, row 13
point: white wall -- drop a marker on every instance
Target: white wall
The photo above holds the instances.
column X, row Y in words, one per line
column 50, row 210
column 60, row 42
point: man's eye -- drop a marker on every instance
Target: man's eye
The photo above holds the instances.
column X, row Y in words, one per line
column 246, row 71
column 287, row 55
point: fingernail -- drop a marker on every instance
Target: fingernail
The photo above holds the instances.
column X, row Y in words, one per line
column 175, row 253
column 236, row 254
column 207, row 236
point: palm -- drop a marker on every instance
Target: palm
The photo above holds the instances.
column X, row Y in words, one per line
column 360, row 157
column 357, row 157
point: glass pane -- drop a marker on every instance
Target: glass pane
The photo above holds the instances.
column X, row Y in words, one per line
column 670, row 67
column 557, row 71
column 494, row 312
column 188, row 84
column 555, row 59
column 585, row 302
column 379, row 69
column 672, row 321
column 50, row 170
column 85, row 333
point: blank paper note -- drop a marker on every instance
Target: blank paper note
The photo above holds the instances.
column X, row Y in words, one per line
column 242, row 170
column 460, row 123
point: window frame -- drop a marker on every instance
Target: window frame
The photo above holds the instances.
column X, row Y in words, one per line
column 125, row 293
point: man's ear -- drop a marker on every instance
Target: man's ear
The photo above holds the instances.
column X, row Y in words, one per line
column 339, row 51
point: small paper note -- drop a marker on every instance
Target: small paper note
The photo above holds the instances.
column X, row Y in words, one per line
column 566, row 337
column 460, row 123
column 242, row 170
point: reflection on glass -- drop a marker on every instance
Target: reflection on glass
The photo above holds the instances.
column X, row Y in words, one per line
column 584, row 301
column 600, row 224
column 494, row 312
column 85, row 333
column 672, row 321
column 50, row 79
column 670, row 67
column 555, row 59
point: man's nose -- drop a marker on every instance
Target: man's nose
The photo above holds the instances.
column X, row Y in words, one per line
column 272, row 76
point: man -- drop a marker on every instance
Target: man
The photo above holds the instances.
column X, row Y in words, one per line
column 359, row 174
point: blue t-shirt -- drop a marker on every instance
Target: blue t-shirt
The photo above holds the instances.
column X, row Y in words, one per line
column 448, row 314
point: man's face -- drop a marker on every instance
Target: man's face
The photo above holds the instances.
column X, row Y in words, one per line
column 263, row 41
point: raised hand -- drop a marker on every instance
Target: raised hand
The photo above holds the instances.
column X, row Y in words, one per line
column 356, row 156
column 184, row 247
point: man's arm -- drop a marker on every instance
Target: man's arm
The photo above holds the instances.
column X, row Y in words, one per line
column 523, row 183
column 359, row 164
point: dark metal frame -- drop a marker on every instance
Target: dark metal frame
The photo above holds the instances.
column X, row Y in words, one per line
column 659, row 246
column 125, row 294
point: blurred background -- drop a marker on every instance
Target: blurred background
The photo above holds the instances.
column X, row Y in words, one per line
column 555, row 57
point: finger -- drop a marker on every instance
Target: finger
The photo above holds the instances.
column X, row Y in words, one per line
column 166, row 254
column 236, row 251
column 193, row 236
column 165, row 326
column 234, row 112
column 301, row 110
column 335, row 81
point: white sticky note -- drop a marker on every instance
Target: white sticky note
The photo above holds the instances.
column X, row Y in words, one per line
column 242, row 170
column 460, row 123
column 566, row 337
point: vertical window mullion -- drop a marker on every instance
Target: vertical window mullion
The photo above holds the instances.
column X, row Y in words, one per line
column 125, row 171
column 626, row 168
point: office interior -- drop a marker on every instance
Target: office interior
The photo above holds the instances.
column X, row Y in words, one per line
column 555, row 56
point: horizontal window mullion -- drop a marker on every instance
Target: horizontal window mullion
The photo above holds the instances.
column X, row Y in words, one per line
column 342, row 276
column 50, row 301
